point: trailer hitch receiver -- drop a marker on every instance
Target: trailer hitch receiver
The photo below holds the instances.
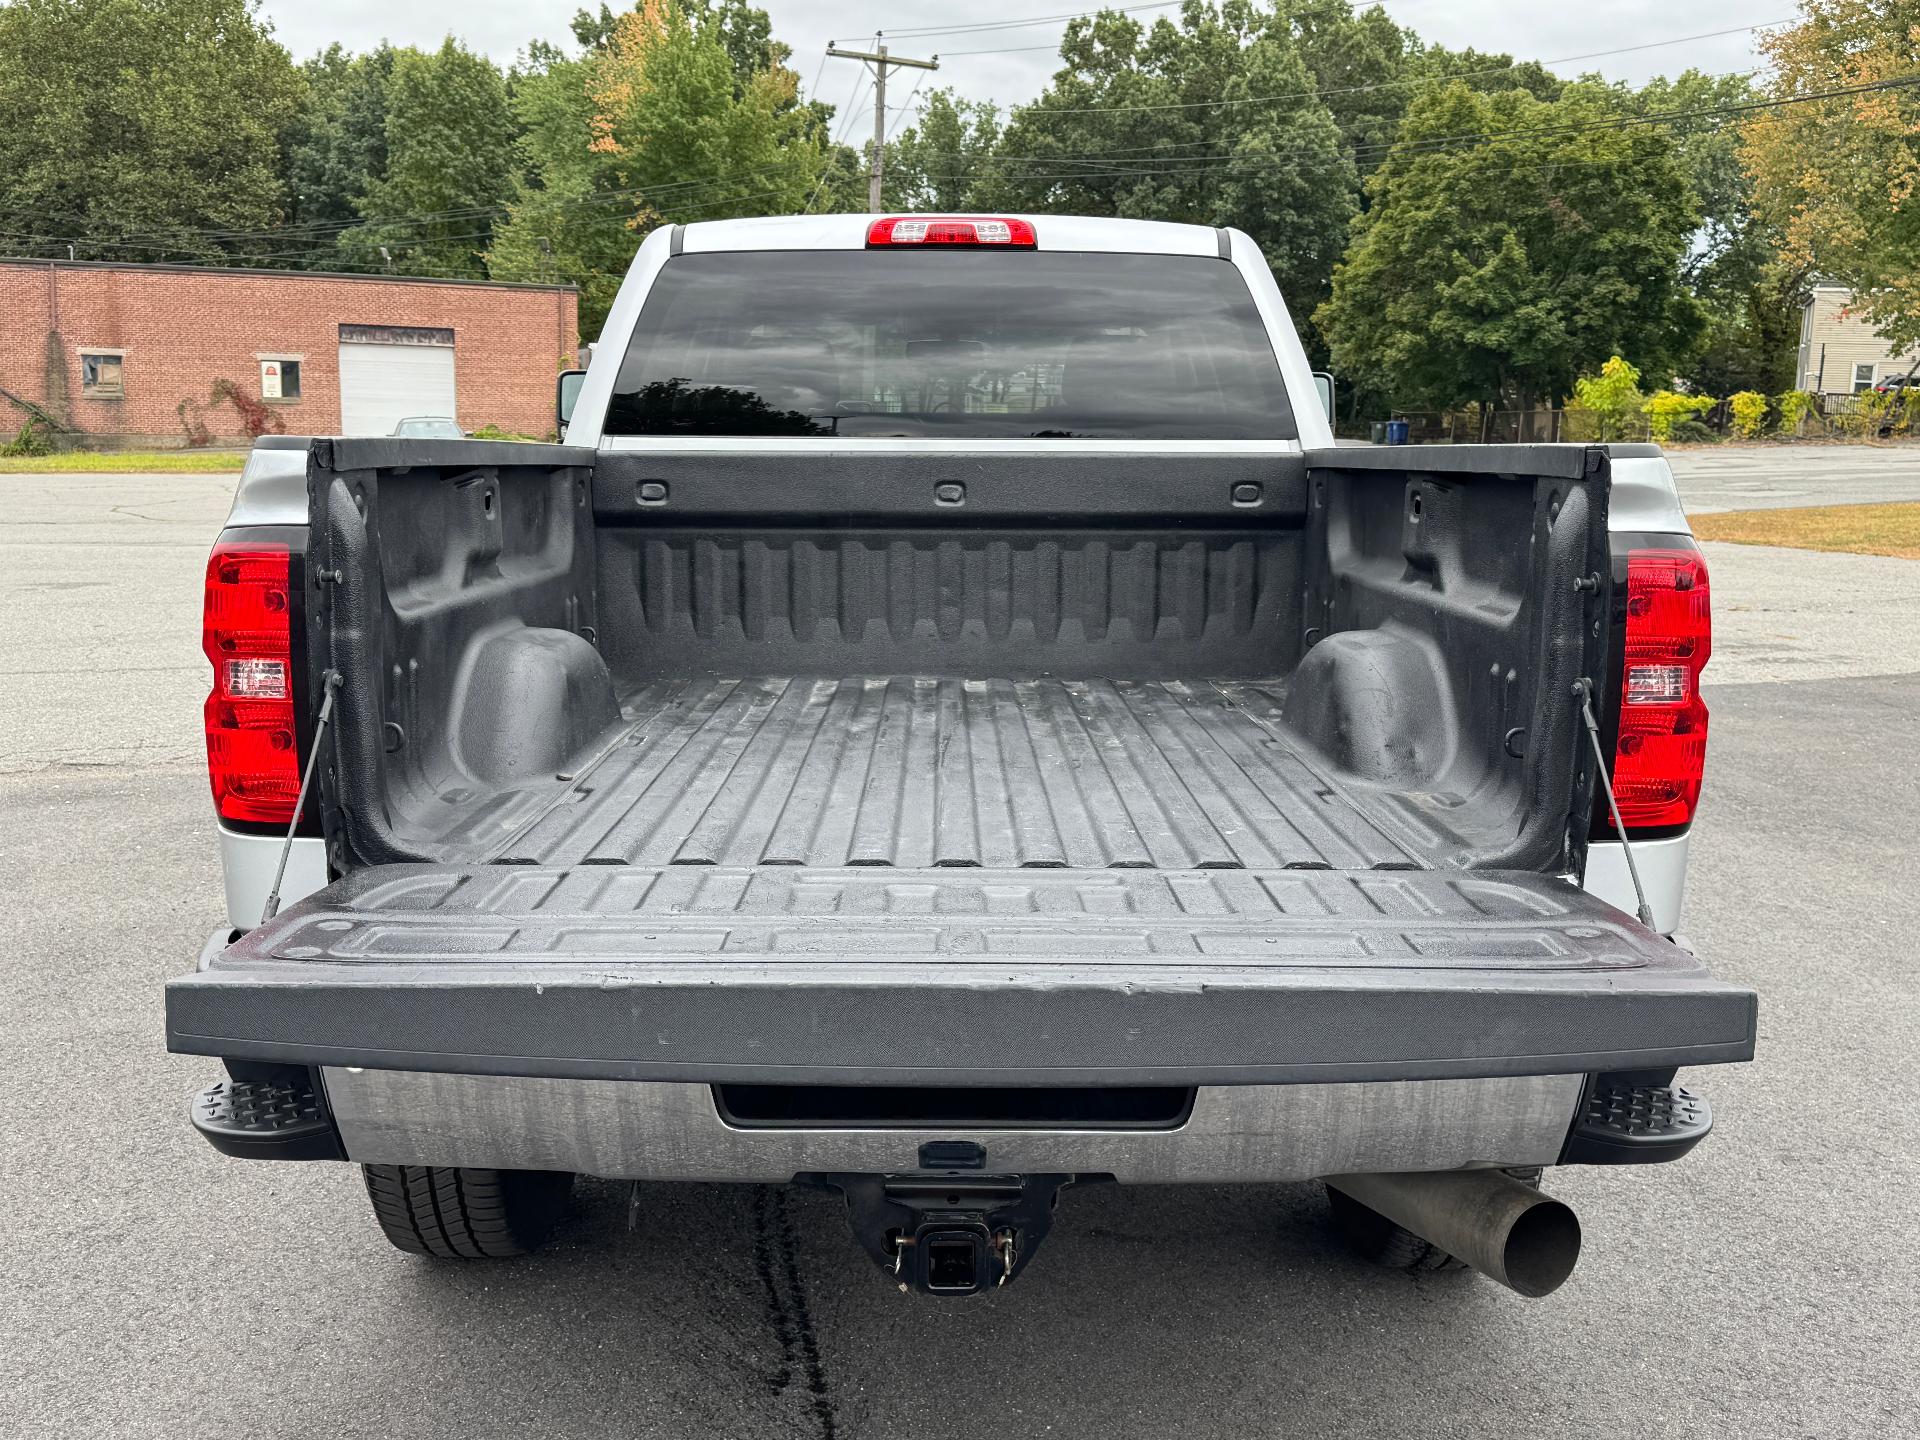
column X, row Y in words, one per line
column 951, row 1233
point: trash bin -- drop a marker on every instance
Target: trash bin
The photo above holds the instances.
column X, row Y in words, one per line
column 1396, row 432
column 1377, row 431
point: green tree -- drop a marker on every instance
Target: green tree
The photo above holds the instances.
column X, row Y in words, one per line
column 658, row 122
column 1838, row 177
column 1752, row 300
column 1366, row 68
column 1510, row 245
column 687, row 134
column 141, row 129
column 938, row 160
column 451, row 166
column 570, row 217
column 1612, row 398
column 1369, row 70
column 1212, row 121
column 842, row 186
column 1752, row 333
column 1490, row 72
column 746, row 32
column 594, row 28
column 336, row 146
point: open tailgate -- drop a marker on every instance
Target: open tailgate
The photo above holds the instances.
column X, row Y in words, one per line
column 1006, row 977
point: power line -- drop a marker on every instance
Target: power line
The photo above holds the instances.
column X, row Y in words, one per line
column 925, row 30
column 1197, row 165
column 1366, row 150
column 683, row 191
column 1000, row 50
column 1192, row 165
column 1377, row 85
column 1026, row 169
column 1204, row 165
column 841, row 123
column 229, row 260
column 901, row 110
column 334, row 228
column 814, row 87
column 1387, row 84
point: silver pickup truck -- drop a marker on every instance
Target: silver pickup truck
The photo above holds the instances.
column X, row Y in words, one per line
column 949, row 724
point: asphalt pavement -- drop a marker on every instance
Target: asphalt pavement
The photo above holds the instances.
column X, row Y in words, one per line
column 1766, row 477
column 1763, row 1286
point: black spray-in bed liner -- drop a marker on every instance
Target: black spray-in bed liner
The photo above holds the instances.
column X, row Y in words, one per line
column 918, row 772
column 871, row 975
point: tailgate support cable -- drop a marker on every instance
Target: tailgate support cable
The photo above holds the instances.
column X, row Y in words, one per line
column 331, row 684
column 1583, row 688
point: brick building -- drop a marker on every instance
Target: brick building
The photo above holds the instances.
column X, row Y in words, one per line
column 137, row 354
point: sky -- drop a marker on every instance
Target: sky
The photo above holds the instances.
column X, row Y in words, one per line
column 1023, row 56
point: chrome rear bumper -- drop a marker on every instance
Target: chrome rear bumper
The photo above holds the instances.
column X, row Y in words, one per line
column 657, row 1130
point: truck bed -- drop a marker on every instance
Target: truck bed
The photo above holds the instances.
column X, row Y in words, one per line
column 1077, row 770
column 1072, row 661
column 918, row 772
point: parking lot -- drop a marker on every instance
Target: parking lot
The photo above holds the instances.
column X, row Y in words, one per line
column 1763, row 1286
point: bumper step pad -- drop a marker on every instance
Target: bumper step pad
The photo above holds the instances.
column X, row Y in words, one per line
column 1637, row 1125
column 281, row 1119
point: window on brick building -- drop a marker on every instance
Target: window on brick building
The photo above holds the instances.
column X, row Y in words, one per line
column 101, row 374
column 279, row 377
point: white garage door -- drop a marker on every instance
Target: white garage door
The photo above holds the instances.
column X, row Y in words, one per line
column 381, row 385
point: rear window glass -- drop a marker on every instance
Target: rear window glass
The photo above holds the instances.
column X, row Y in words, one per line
column 950, row 342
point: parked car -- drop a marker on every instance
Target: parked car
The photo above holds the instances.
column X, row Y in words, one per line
column 430, row 427
column 948, row 725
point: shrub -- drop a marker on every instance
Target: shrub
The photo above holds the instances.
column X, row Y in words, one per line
column 1749, row 414
column 494, row 432
column 255, row 417
column 1794, row 407
column 198, row 436
column 1906, row 411
column 1667, row 407
column 32, row 440
column 1694, row 432
column 1873, row 413
column 1609, row 399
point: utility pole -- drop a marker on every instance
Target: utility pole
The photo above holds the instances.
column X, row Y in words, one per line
column 880, row 62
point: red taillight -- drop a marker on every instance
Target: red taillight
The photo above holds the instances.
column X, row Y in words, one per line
column 1662, row 750
column 951, row 230
column 247, row 633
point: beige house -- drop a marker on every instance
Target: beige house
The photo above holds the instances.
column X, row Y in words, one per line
column 1839, row 353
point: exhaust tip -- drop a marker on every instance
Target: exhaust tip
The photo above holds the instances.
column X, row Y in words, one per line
column 1505, row 1229
column 1542, row 1248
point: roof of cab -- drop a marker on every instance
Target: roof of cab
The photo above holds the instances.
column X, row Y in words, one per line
column 1051, row 232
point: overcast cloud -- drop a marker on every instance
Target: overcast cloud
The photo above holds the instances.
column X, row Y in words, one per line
column 1015, row 73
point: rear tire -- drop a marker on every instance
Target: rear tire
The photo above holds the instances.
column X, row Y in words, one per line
column 460, row 1214
column 1379, row 1241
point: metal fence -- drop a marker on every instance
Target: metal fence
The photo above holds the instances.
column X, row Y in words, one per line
column 1504, row 427
column 1862, row 416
